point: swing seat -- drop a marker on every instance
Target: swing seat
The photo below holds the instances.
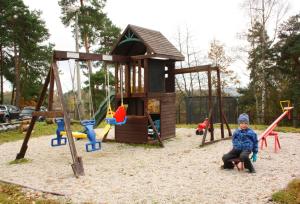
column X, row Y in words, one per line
column 119, row 118
column 113, row 121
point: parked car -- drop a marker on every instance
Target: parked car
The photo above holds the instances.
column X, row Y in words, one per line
column 27, row 111
column 9, row 112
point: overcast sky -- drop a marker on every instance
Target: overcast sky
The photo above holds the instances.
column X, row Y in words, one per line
column 205, row 21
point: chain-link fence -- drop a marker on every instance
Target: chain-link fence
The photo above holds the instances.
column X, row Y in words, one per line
column 195, row 109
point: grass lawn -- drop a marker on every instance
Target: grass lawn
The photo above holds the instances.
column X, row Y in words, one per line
column 12, row 194
column 253, row 126
column 40, row 129
column 289, row 195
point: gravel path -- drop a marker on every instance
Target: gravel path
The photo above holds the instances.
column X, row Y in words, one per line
column 179, row 173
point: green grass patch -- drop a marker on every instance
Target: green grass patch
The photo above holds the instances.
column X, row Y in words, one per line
column 253, row 126
column 289, row 195
column 40, row 129
column 20, row 161
column 12, row 194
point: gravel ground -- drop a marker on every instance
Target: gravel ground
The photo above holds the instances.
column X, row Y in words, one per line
column 179, row 173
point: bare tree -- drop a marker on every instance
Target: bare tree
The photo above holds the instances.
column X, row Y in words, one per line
column 219, row 58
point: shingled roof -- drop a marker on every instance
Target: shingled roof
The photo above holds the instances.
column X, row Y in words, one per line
column 136, row 40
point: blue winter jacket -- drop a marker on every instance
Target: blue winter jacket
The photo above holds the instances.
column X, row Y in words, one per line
column 245, row 140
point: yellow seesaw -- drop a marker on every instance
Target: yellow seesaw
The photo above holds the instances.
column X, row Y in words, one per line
column 77, row 135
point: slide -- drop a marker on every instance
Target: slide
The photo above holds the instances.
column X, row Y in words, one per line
column 104, row 132
column 102, row 109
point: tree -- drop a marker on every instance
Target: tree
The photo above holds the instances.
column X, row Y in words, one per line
column 22, row 43
column 261, row 13
column 94, row 27
column 219, row 58
column 287, row 57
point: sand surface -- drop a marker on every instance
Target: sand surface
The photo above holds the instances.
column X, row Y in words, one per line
column 179, row 173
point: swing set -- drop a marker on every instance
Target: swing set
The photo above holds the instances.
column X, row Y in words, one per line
column 53, row 78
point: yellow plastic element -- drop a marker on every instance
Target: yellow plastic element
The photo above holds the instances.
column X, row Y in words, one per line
column 109, row 113
column 283, row 106
column 105, row 131
column 77, row 135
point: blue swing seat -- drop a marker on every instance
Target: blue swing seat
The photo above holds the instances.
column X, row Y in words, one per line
column 112, row 121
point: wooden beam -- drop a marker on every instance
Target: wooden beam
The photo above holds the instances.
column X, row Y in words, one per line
column 134, row 77
column 66, row 55
column 116, row 78
column 203, row 68
column 24, row 146
column 77, row 165
column 146, row 76
column 154, row 129
column 206, row 128
column 226, row 123
column 51, row 91
column 210, row 104
column 49, row 114
column 127, row 80
column 140, row 76
column 219, row 97
column 158, row 56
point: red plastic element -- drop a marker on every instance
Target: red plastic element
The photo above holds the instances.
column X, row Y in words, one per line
column 202, row 126
column 120, row 114
column 276, row 141
column 269, row 131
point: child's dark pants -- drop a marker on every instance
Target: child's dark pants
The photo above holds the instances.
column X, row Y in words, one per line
column 234, row 153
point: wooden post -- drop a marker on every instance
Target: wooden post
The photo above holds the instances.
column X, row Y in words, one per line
column 77, row 165
column 127, row 80
column 154, row 129
column 219, row 97
column 206, row 128
column 226, row 123
column 134, row 77
column 116, row 78
column 210, row 104
column 146, row 76
column 140, row 76
column 24, row 146
column 51, row 91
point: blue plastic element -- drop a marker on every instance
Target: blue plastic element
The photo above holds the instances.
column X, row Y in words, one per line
column 112, row 121
column 91, row 135
column 254, row 157
column 59, row 140
column 151, row 131
column 157, row 125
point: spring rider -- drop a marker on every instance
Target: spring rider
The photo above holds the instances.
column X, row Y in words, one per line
column 202, row 126
column 91, row 135
column 59, row 140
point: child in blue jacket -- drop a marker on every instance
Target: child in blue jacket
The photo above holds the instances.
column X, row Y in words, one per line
column 244, row 142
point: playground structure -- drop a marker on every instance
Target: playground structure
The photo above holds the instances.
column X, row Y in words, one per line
column 146, row 59
column 270, row 130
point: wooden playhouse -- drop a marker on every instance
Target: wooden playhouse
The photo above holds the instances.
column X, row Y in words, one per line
column 148, row 83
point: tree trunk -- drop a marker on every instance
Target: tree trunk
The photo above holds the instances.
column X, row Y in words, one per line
column 12, row 95
column 1, row 75
column 17, row 77
column 257, row 108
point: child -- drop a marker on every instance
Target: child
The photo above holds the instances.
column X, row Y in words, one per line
column 244, row 142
